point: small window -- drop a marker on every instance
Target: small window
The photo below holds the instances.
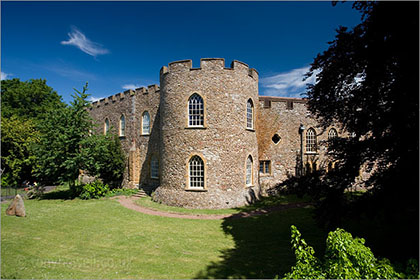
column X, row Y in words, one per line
column 310, row 141
column 195, row 111
column 267, row 103
column 276, row 138
column 122, row 125
column 106, row 126
column 145, row 128
column 154, row 168
column 196, row 173
column 248, row 180
column 249, row 114
column 265, row 167
column 332, row 134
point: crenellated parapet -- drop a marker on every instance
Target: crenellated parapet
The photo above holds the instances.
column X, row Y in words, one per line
column 209, row 64
column 151, row 89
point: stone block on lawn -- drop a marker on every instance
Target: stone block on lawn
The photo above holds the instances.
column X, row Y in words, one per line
column 16, row 207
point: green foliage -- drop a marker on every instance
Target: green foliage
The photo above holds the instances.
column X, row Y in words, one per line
column 17, row 137
column 345, row 258
column 58, row 153
column 103, row 157
column 29, row 100
column 122, row 191
column 35, row 191
column 95, row 189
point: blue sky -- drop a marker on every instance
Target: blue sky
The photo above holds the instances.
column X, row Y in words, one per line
column 120, row 45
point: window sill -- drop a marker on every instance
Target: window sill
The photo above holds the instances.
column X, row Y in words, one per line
column 145, row 134
column 311, row 153
column 250, row 129
column 195, row 127
column 154, row 178
column 195, row 190
column 266, row 175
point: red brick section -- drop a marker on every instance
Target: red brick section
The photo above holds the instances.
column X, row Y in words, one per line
column 129, row 202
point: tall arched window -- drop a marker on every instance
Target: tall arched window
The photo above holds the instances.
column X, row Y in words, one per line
column 248, row 180
column 154, row 168
column 332, row 133
column 249, row 114
column 195, row 111
column 311, row 141
column 145, row 127
column 106, row 126
column 196, row 173
column 122, row 125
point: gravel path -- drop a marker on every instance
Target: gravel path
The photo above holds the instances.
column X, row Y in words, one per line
column 129, row 202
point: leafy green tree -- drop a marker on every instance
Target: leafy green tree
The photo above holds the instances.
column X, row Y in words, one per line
column 17, row 159
column 345, row 258
column 29, row 100
column 58, row 153
column 104, row 158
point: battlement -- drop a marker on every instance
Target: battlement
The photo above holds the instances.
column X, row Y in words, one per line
column 209, row 64
column 151, row 89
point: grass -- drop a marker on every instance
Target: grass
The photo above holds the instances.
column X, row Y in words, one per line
column 265, row 202
column 64, row 238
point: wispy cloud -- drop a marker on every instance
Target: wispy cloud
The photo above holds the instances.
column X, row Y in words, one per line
column 287, row 84
column 4, row 76
column 69, row 72
column 93, row 98
column 79, row 40
column 131, row 86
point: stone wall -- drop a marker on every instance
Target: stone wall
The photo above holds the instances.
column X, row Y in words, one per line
column 224, row 143
column 283, row 116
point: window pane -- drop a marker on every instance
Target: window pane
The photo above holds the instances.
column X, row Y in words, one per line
column 196, row 172
column 195, row 110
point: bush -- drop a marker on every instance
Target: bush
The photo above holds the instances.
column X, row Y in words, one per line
column 95, row 189
column 122, row 191
column 345, row 258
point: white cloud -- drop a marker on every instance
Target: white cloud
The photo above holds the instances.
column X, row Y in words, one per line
column 78, row 39
column 4, row 76
column 93, row 99
column 131, row 86
column 287, row 84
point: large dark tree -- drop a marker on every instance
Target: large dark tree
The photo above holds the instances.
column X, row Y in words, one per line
column 368, row 80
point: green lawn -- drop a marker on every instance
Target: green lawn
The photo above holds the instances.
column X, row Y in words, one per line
column 265, row 202
column 102, row 239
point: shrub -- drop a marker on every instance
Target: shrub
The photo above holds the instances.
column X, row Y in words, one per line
column 95, row 189
column 122, row 191
column 345, row 258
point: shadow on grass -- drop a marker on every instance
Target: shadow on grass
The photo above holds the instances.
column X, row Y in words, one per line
column 262, row 245
column 65, row 194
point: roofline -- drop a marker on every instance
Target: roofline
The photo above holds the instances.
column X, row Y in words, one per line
column 280, row 99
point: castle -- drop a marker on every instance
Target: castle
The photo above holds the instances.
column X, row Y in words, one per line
column 206, row 139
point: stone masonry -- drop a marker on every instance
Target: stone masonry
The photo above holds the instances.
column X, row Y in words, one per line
column 224, row 143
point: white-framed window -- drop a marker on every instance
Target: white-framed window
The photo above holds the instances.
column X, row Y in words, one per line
column 310, row 140
column 196, row 172
column 122, row 125
column 195, row 111
column 248, row 180
column 332, row 133
column 106, row 126
column 265, row 167
column 249, row 114
column 154, row 167
column 145, row 123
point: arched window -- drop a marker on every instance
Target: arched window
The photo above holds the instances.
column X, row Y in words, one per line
column 106, row 126
column 311, row 141
column 122, row 125
column 248, row 180
column 249, row 114
column 145, row 128
column 195, row 111
column 332, row 133
column 196, row 173
column 154, row 168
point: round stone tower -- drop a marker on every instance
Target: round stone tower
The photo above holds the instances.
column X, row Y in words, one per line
column 209, row 150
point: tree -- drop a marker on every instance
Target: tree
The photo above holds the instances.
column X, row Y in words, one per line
column 104, row 158
column 17, row 157
column 368, row 81
column 58, row 152
column 29, row 100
